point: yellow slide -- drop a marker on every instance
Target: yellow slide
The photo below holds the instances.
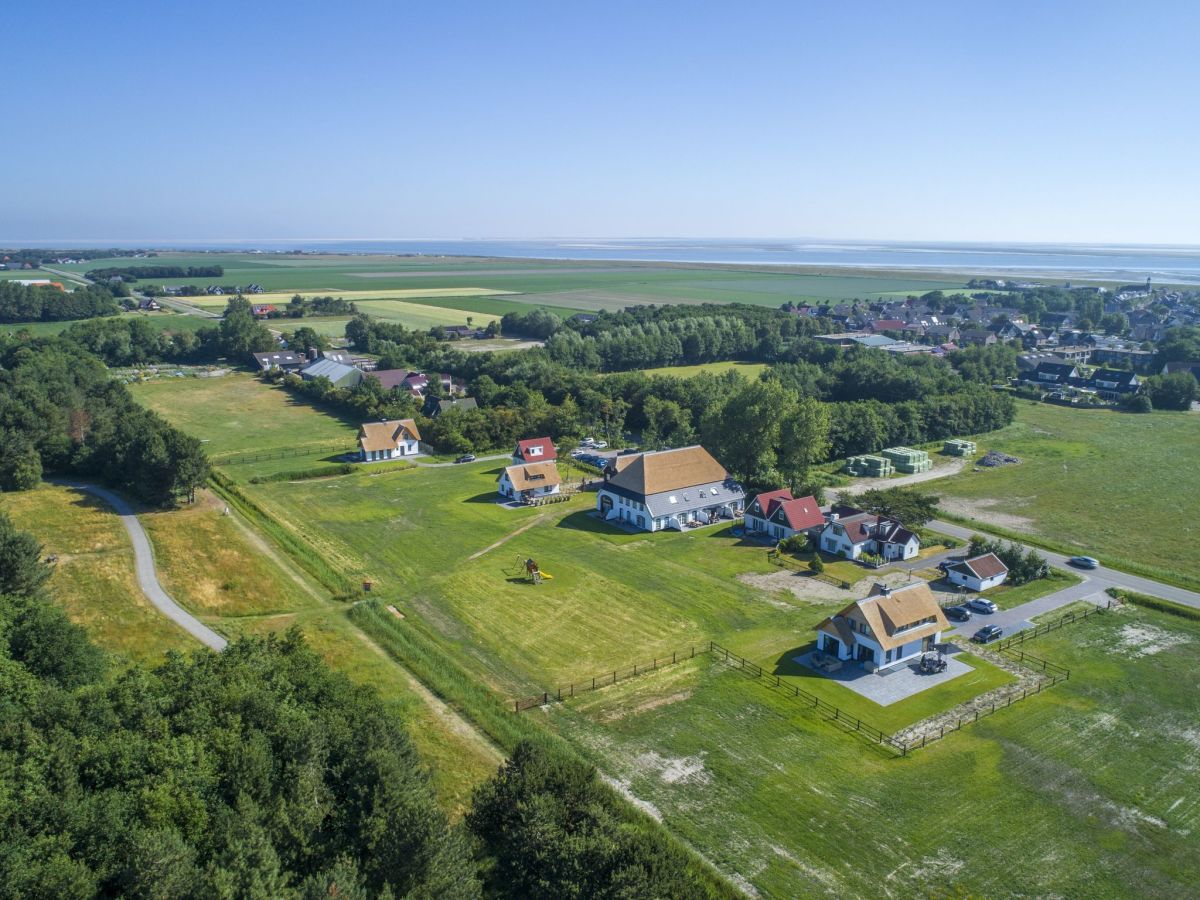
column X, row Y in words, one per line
column 546, row 575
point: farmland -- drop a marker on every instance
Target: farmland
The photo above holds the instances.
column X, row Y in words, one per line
column 1092, row 480
column 559, row 284
column 746, row 369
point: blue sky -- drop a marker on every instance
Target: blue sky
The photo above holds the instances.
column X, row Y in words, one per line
column 930, row 121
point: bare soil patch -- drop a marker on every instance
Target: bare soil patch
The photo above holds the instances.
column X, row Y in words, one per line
column 811, row 590
column 981, row 511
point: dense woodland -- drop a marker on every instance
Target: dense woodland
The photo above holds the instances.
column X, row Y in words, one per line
column 260, row 773
column 43, row 303
column 61, row 413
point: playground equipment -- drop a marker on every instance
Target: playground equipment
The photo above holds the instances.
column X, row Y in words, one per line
column 536, row 575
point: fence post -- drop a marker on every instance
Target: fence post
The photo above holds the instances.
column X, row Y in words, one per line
column 545, row 698
column 614, row 677
column 593, row 684
column 516, row 706
column 635, row 668
column 672, row 656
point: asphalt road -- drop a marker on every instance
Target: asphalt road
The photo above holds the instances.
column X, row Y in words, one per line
column 1095, row 581
column 147, row 574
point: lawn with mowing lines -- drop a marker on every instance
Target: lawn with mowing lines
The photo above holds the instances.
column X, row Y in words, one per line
column 1100, row 482
column 1080, row 791
column 238, row 413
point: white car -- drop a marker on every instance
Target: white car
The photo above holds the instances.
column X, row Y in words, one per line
column 600, row 445
column 980, row 604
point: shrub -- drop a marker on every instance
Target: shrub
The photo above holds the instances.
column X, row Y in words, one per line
column 816, row 566
column 797, row 543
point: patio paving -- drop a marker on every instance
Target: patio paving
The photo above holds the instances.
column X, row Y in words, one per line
column 895, row 684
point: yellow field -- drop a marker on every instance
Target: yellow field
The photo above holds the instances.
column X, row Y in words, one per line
column 209, row 301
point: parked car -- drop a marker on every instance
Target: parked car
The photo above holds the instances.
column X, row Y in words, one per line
column 1084, row 562
column 600, row 445
column 588, row 442
column 957, row 613
column 982, row 604
column 987, row 634
column 628, row 450
column 466, row 458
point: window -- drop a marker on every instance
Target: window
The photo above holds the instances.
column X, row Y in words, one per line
column 672, row 499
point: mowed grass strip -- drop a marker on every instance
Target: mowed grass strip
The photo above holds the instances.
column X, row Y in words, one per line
column 1082, row 790
column 1097, row 482
column 94, row 577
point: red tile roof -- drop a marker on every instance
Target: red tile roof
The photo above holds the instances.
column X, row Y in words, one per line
column 769, row 500
column 802, row 513
column 548, row 452
column 986, row 566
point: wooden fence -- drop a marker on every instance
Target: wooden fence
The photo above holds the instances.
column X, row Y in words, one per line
column 585, row 685
column 1046, row 627
column 286, row 453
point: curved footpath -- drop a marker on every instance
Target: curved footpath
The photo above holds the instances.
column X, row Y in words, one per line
column 147, row 574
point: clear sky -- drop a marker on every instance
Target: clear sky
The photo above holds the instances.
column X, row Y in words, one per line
column 1019, row 121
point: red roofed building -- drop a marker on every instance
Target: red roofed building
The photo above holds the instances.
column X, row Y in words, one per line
column 887, row 325
column 780, row 515
column 535, row 450
column 852, row 532
column 978, row 573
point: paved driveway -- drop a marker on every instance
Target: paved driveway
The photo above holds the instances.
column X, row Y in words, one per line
column 1100, row 579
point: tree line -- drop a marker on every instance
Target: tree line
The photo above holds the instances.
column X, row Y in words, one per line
column 259, row 772
column 134, row 273
column 44, row 303
column 61, row 413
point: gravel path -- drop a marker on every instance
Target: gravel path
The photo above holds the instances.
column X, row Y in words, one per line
column 147, row 574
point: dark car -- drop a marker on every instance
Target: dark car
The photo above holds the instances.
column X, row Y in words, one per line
column 465, row 458
column 957, row 613
column 987, row 634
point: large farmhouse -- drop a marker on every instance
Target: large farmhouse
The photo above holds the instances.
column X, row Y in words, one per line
column 978, row 573
column 889, row 627
column 851, row 533
column 388, row 440
column 522, row 482
column 669, row 489
column 779, row 515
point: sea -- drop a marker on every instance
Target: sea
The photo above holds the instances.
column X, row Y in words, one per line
column 1135, row 263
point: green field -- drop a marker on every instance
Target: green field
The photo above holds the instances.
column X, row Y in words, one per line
column 235, row 414
column 1098, row 482
column 748, row 369
column 561, row 284
column 1078, row 789
column 1084, row 790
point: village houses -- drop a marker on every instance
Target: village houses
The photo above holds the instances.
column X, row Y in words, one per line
column 389, row 439
column 681, row 488
column 887, row 628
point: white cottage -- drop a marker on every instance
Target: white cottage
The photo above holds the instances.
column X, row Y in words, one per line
column 978, row 573
column 888, row 628
column 388, row 439
column 522, row 482
column 851, row 532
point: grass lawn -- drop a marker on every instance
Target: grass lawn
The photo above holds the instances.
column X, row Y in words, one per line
column 1081, row 791
column 1107, row 484
column 748, row 369
column 238, row 413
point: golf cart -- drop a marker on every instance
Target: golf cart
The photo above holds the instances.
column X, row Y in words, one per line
column 932, row 663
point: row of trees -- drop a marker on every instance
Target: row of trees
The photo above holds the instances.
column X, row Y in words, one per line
column 259, row 772
column 60, row 412
column 44, row 303
column 133, row 273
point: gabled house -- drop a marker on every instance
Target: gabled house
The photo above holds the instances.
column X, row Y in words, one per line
column 534, row 450
column 976, row 337
column 887, row 628
column 522, row 482
column 779, row 515
column 391, row 379
column 851, row 533
column 280, row 359
column 262, row 310
column 679, row 489
column 1180, row 366
column 978, row 573
column 1053, row 374
column 1113, row 384
column 389, row 439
